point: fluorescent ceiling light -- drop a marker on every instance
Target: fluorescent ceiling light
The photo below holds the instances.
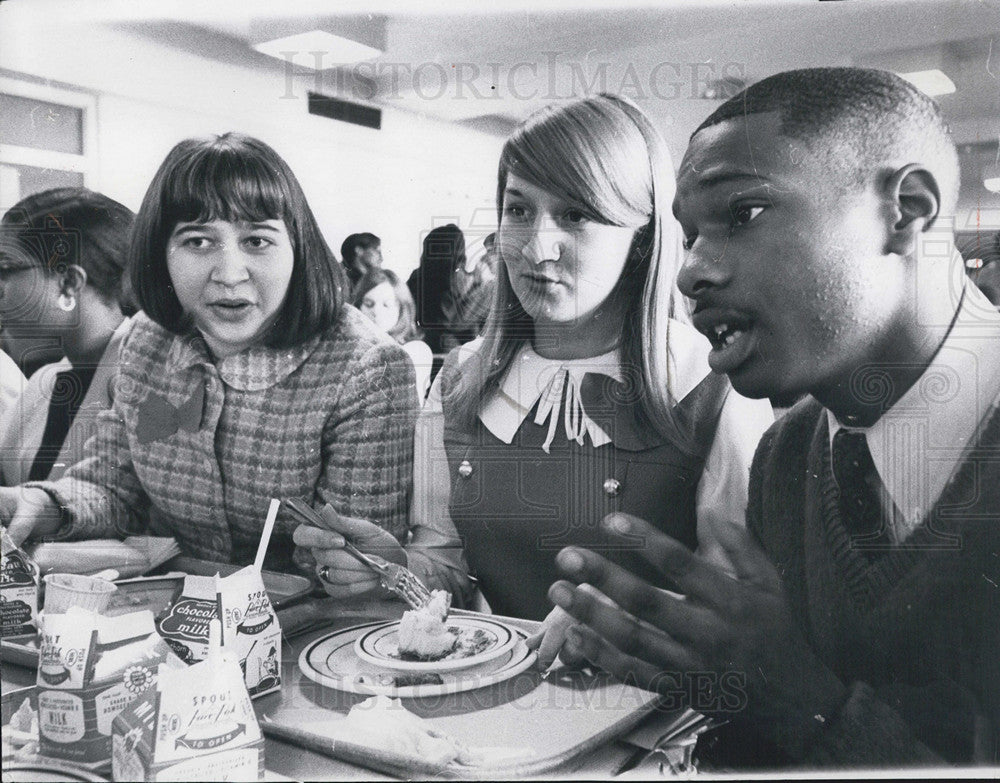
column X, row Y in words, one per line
column 932, row 82
column 338, row 50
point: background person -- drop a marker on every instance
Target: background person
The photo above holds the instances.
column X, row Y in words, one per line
column 430, row 282
column 76, row 305
column 359, row 254
column 473, row 284
column 982, row 265
column 383, row 297
column 11, row 385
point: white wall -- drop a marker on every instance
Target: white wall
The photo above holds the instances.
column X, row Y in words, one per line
column 397, row 182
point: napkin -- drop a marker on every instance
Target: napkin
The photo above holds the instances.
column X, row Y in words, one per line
column 132, row 557
column 384, row 723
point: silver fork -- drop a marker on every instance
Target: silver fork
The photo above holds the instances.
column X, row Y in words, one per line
column 401, row 581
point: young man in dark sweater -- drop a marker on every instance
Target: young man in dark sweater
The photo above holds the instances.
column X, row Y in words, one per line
column 862, row 624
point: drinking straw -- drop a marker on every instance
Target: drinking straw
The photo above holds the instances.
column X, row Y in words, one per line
column 265, row 537
column 215, row 641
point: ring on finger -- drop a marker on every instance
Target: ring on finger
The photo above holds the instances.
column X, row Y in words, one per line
column 324, row 574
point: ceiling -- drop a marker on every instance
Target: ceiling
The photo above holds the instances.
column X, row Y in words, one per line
column 491, row 68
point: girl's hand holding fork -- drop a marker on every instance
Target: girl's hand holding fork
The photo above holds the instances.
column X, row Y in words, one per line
column 343, row 575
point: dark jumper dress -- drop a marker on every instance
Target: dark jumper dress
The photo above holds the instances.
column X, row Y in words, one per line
column 515, row 506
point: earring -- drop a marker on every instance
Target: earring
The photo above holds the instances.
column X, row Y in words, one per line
column 66, row 302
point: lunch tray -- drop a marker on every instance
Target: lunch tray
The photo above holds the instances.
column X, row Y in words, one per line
column 155, row 592
column 555, row 719
column 283, row 589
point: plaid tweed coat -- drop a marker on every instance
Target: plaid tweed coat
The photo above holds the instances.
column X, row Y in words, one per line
column 195, row 448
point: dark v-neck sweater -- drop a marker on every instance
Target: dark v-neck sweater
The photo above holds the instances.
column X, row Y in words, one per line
column 914, row 634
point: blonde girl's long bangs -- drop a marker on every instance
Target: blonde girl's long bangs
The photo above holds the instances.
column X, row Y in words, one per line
column 582, row 153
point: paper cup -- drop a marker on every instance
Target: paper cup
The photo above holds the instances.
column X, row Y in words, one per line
column 65, row 590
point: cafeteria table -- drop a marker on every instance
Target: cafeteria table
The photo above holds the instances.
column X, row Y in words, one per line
column 599, row 754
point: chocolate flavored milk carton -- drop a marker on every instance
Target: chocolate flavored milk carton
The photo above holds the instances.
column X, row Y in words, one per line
column 250, row 629
column 18, row 589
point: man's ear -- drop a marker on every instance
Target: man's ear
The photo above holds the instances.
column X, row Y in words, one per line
column 74, row 280
column 915, row 200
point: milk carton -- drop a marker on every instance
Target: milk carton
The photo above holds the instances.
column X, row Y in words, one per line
column 18, row 589
column 91, row 668
column 250, row 629
column 197, row 725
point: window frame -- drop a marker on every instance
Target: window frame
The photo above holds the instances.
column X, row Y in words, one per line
column 85, row 163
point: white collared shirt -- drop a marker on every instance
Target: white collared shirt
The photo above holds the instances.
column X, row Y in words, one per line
column 919, row 442
column 532, row 378
column 12, row 383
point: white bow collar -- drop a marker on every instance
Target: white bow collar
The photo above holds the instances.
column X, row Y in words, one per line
column 532, row 378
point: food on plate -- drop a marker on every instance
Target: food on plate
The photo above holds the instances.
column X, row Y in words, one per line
column 423, row 635
column 386, row 680
column 470, row 641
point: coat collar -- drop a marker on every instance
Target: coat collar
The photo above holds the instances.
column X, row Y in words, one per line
column 254, row 369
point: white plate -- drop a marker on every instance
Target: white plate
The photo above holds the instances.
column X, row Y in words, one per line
column 332, row 661
column 380, row 646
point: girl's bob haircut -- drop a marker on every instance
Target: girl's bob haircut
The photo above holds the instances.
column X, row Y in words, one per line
column 235, row 178
column 603, row 153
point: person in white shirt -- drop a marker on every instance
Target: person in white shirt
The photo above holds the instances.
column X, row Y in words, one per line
column 62, row 263
column 11, row 385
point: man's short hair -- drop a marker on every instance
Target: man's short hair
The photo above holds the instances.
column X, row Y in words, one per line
column 350, row 254
column 856, row 119
column 357, row 242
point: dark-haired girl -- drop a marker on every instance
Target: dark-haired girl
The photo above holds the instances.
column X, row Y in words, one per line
column 245, row 376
